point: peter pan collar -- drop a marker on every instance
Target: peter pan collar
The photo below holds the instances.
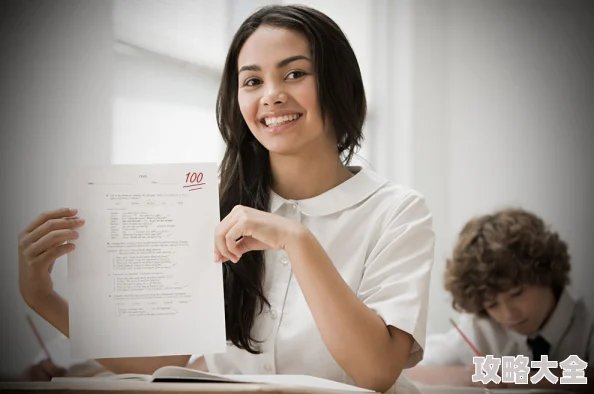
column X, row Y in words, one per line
column 351, row 192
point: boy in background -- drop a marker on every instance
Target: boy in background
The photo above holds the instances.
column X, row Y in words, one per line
column 509, row 274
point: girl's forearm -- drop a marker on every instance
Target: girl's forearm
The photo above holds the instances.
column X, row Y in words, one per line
column 369, row 352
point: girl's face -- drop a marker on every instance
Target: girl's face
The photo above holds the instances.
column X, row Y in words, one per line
column 523, row 309
column 277, row 92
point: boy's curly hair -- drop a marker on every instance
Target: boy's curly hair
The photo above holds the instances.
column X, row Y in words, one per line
column 498, row 252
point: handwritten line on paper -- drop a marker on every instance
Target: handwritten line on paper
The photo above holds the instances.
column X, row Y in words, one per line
column 195, row 180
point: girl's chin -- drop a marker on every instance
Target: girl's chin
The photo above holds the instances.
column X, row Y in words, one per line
column 281, row 150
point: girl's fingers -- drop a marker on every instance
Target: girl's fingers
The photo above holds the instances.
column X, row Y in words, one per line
column 52, row 254
column 44, row 217
column 247, row 244
column 233, row 236
column 244, row 245
column 52, row 225
column 50, row 240
column 220, row 238
column 221, row 248
column 236, row 233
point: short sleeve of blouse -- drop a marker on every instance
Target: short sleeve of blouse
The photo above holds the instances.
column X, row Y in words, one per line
column 396, row 275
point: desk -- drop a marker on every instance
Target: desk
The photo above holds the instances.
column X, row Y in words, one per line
column 124, row 387
column 150, row 388
column 427, row 389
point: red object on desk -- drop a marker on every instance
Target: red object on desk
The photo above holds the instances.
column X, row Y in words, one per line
column 474, row 349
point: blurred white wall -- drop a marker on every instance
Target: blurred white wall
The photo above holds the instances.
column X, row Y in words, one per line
column 55, row 114
column 163, row 109
column 168, row 60
column 503, row 117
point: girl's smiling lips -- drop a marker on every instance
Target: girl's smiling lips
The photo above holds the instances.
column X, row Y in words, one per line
column 277, row 114
column 275, row 122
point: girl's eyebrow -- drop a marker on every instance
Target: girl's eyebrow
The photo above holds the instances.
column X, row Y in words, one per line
column 282, row 63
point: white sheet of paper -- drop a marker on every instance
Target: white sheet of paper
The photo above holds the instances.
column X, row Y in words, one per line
column 142, row 281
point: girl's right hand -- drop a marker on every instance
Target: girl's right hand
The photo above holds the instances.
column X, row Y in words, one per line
column 40, row 244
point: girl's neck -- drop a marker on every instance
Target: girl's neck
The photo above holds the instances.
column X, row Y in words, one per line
column 306, row 176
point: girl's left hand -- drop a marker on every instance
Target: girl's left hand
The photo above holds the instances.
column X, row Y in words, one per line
column 45, row 370
column 257, row 229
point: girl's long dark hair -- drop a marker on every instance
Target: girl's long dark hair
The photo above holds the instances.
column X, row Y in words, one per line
column 245, row 170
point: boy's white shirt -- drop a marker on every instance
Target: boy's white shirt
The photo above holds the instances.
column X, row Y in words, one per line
column 569, row 331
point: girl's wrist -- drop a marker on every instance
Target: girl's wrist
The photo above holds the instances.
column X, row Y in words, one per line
column 54, row 309
column 297, row 238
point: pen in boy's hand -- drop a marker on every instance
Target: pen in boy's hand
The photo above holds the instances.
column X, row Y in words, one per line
column 474, row 349
column 38, row 338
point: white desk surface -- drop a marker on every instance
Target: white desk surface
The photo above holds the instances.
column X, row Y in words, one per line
column 112, row 387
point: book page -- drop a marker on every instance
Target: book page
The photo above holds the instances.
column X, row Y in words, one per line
column 181, row 373
column 298, row 381
column 142, row 281
column 173, row 373
column 105, row 378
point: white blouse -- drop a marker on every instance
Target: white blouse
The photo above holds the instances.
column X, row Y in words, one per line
column 380, row 238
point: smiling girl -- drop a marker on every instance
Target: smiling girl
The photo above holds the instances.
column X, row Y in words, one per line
column 326, row 267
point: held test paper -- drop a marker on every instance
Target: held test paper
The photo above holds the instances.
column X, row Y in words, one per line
column 142, row 281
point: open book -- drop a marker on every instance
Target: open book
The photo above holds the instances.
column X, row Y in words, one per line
column 180, row 374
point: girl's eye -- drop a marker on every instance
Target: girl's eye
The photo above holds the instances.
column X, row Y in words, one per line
column 491, row 306
column 252, row 82
column 295, row 74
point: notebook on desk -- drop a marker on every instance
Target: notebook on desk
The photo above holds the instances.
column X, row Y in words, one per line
column 180, row 374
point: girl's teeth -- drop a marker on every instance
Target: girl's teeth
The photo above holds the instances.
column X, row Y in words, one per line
column 273, row 122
